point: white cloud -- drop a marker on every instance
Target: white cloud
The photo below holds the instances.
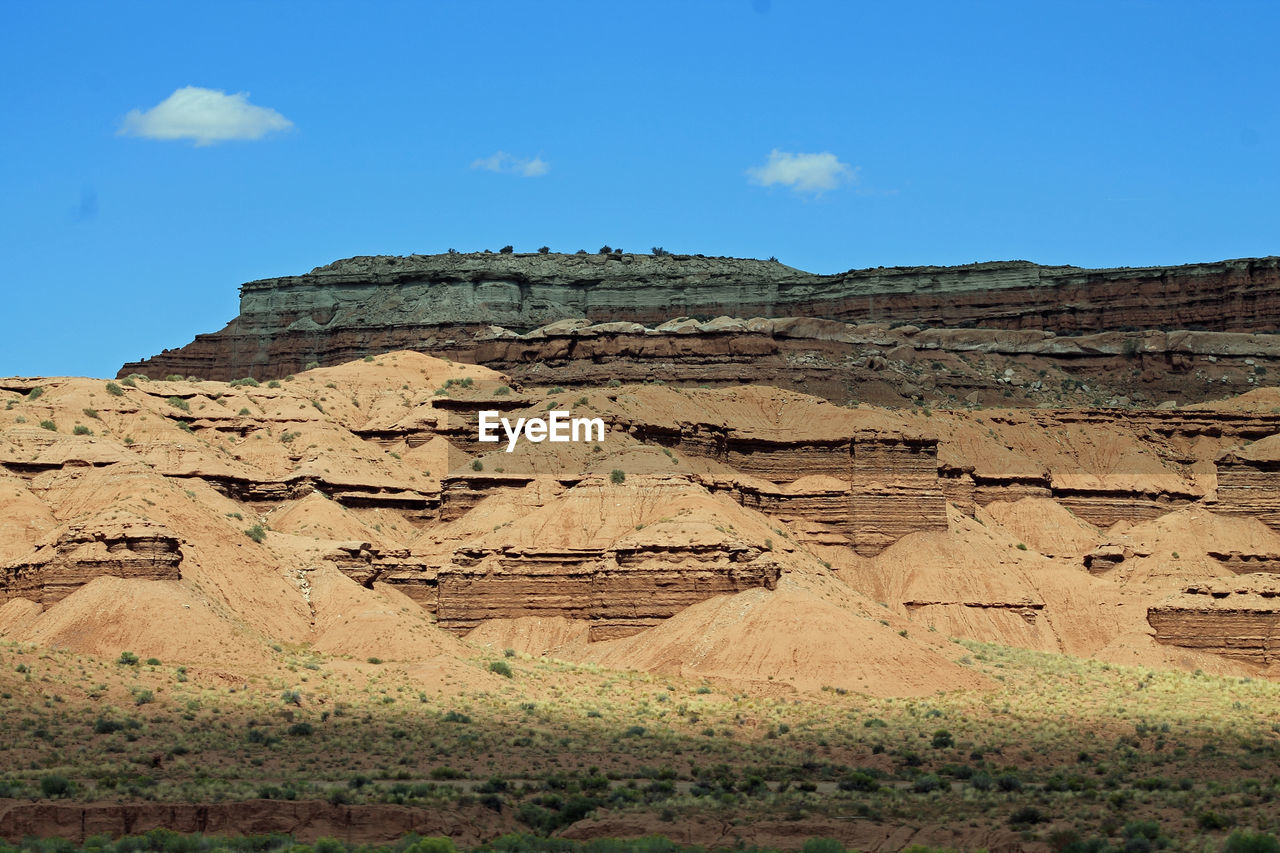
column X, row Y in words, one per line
column 509, row 164
column 204, row 115
column 813, row 173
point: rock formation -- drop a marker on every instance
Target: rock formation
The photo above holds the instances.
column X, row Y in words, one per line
column 1004, row 525
column 118, row 547
column 445, row 303
column 1236, row 620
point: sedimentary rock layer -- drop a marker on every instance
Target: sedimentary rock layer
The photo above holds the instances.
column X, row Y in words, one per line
column 1239, row 622
column 620, row 591
column 1249, row 481
column 123, row 548
column 376, row 304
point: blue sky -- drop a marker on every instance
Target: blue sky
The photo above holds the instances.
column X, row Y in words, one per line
column 1091, row 133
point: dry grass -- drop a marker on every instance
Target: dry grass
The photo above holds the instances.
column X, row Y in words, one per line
column 1088, row 746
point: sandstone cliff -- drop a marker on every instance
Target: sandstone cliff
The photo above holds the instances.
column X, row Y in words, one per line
column 369, row 305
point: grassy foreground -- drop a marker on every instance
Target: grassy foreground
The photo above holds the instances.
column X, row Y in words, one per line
column 1066, row 752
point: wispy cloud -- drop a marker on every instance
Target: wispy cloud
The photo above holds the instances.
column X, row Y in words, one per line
column 509, row 164
column 805, row 173
column 205, row 116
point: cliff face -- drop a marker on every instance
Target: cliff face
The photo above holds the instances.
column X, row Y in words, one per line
column 995, row 524
column 129, row 548
column 369, row 305
column 1237, row 620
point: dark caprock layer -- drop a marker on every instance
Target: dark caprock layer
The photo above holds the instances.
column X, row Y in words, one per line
column 368, row 305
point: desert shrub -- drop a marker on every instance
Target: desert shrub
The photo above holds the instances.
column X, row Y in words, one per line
column 817, row 845
column 179, row 403
column 500, row 667
column 173, row 377
column 55, row 785
column 659, row 252
column 506, row 250
column 104, row 726
column 1026, row 816
column 311, row 365
column 49, row 425
column 477, row 465
column 153, row 661
column 127, row 659
column 301, row 730
column 35, row 394
column 248, row 380
column 91, row 413
column 130, row 381
column 1241, row 841
column 605, row 250
column 543, row 250
column 81, row 429
column 456, row 717
column 942, row 739
column 244, row 412
column 617, row 476
column 926, row 783
column 981, row 781
column 858, row 781
column 1009, row 782
column 445, row 772
column 257, row 533
column 434, row 844
column 115, row 390
column 143, row 696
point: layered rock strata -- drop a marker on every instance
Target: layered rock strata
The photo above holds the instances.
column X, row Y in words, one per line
column 1234, row 620
column 368, row 305
column 620, row 591
column 1249, row 481
column 123, row 548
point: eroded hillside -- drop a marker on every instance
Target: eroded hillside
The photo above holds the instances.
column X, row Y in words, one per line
column 247, row 513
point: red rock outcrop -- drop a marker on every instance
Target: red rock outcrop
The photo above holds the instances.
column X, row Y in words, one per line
column 438, row 303
column 121, row 547
column 1236, row 620
column 1249, row 481
column 620, row 591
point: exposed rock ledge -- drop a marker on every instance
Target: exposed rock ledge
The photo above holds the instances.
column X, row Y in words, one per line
column 369, row 305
